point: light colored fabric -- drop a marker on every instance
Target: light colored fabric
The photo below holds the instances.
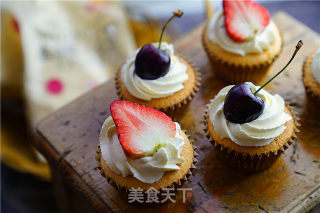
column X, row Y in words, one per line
column 69, row 48
column 54, row 52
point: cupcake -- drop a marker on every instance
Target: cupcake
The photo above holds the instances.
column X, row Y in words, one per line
column 241, row 42
column 251, row 131
column 311, row 79
column 157, row 78
column 142, row 149
column 251, row 127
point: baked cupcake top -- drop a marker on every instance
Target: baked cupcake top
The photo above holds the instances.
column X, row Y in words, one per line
column 242, row 27
column 258, row 132
column 315, row 66
column 140, row 141
column 161, row 87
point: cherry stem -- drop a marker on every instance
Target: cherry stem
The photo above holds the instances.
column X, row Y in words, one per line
column 177, row 13
column 299, row 45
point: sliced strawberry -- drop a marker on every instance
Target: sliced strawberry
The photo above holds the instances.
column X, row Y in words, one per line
column 141, row 130
column 243, row 19
column 15, row 24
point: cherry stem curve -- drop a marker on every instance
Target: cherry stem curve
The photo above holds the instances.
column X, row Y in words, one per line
column 299, row 45
column 177, row 13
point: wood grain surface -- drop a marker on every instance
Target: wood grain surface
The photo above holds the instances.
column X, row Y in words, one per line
column 69, row 138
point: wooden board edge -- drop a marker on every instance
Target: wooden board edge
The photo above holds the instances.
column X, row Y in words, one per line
column 304, row 203
column 71, row 176
column 286, row 16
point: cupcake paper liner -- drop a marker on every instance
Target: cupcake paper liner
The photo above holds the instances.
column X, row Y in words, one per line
column 124, row 192
column 175, row 111
column 246, row 161
column 313, row 100
column 233, row 73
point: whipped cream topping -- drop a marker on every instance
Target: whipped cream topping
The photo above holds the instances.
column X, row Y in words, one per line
column 315, row 66
column 158, row 88
column 261, row 41
column 260, row 132
column 146, row 169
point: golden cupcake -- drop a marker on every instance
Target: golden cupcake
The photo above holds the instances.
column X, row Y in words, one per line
column 157, row 78
column 241, row 42
column 142, row 148
column 252, row 145
column 251, row 127
column 311, row 79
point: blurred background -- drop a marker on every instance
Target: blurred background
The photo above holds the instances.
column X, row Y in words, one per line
column 54, row 51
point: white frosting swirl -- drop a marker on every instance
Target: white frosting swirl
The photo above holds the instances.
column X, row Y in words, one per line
column 146, row 169
column 261, row 131
column 158, row 88
column 261, row 41
column 315, row 67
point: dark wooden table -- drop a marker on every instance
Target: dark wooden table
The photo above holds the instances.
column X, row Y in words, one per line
column 69, row 137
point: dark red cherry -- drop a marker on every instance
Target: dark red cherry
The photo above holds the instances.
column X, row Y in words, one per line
column 241, row 105
column 152, row 63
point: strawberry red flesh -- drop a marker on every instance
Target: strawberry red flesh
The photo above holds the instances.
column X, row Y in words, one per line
column 15, row 25
column 243, row 19
column 141, row 129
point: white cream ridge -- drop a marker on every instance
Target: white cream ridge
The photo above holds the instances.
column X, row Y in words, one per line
column 315, row 66
column 162, row 87
column 146, row 169
column 269, row 125
column 261, row 41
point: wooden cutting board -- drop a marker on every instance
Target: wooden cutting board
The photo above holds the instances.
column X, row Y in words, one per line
column 69, row 138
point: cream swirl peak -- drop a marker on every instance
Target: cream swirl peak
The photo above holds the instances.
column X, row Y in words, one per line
column 269, row 125
column 261, row 41
column 159, row 88
column 315, row 66
column 146, row 169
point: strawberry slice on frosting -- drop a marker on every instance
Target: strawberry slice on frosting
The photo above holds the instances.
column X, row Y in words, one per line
column 141, row 130
column 244, row 19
